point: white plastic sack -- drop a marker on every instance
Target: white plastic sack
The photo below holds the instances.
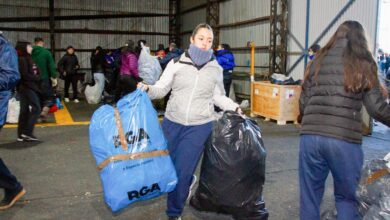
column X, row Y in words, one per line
column 93, row 94
column 148, row 66
column 13, row 111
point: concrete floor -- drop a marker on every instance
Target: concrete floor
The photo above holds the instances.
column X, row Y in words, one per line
column 62, row 182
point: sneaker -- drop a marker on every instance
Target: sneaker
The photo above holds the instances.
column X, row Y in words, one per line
column 66, row 99
column 191, row 186
column 20, row 139
column 29, row 137
column 76, row 101
column 174, row 218
column 9, row 201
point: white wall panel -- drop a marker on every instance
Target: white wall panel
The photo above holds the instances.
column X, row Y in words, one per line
column 321, row 14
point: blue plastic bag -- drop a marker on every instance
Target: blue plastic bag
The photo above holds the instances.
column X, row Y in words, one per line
column 142, row 171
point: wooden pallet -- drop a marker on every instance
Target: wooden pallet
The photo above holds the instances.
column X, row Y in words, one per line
column 278, row 121
column 275, row 102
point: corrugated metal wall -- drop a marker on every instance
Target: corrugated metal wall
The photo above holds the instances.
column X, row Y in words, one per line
column 189, row 21
column 238, row 36
column 187, row 4
column 231, row 12
column 321, row 14
column 13, row 8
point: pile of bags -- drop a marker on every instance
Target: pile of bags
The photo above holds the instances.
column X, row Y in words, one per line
column 233, row 170
column 130, row 151
column 374, row 190
column 281, row 79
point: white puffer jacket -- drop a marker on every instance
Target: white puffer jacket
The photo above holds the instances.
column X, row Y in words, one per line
column 195, row 90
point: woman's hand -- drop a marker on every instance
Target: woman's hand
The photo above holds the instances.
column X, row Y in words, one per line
column 143, row 87
column 239, row 111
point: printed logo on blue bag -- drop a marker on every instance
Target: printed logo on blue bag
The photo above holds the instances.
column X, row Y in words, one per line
column 143, row 191
column 132, row 138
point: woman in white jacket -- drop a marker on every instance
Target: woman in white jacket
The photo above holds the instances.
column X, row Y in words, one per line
column 196, row 80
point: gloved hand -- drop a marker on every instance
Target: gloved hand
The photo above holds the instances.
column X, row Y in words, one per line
column 53, row 82
column 143, row 87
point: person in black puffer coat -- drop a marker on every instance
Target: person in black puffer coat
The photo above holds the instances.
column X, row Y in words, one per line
column 341, row 78
column 28, row 88
column 68, row 66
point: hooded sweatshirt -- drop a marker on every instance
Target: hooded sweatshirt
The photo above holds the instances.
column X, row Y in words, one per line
column 45, row 62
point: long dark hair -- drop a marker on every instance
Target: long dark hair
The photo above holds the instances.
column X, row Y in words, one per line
column 21, row 48
column 360, row 70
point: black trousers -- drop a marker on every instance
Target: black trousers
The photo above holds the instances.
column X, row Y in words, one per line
column 8, row 181
column 71, row 79
column 27, row 117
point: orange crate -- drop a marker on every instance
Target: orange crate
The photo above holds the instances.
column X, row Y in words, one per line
column 277, row 102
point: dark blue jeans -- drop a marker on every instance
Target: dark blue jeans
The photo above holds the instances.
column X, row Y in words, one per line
column 317, row 156
column 227, row 81
column 8, row 181
column 185, row 145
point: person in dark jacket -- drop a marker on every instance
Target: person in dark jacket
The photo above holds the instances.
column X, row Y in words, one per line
column 225, row 59
column 47, row 73
column 138, row 47
column 9, row 77
column 28, row 92
column 174, row 52
column 338, row 82
column 97, row 63
column 68, row 66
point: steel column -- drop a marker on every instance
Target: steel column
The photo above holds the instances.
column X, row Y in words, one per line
column 278, row 37
column 307, row 30
column 174, row 22
column 52, row 26
column 212, row 18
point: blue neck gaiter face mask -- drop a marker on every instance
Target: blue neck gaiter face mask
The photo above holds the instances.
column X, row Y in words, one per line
column 199, row 56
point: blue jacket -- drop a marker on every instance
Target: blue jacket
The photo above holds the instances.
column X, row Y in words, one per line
column 9, row 75
column 225, row 59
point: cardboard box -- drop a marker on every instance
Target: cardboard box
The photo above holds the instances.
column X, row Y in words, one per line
column 277, row 102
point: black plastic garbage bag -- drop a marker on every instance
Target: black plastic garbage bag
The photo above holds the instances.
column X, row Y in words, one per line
column 374, row 191
column 233, row 170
